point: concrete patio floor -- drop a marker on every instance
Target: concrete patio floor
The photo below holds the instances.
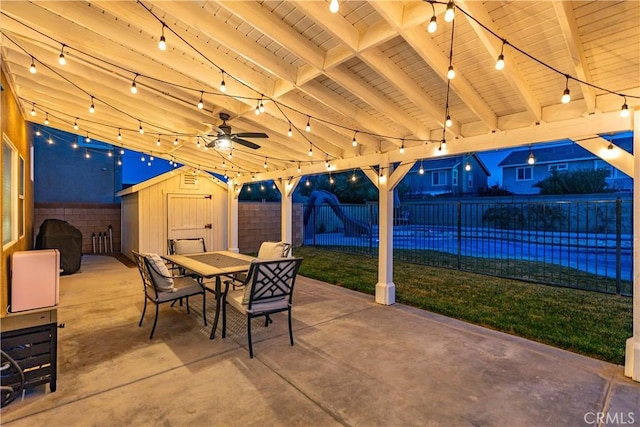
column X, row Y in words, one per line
column 354, row 363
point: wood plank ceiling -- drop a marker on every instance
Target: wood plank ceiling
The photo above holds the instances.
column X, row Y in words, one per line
column 371, row 71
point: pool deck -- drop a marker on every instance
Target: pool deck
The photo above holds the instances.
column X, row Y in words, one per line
column 354, row 363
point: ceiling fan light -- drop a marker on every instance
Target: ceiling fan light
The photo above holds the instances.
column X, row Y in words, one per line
column 223, row 144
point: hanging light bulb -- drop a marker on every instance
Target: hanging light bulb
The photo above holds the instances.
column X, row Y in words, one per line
column 402, row 147
column 119, row 135
column 109, row 154
column 223, row 85
column 33, row 110
column 230, row 154
column 289, row 132
column 92, row 108
column 443, row 144
column 87, row 139
column 433, row 23
column 299, row 168
column 448, row 122
column 265, row 163
column 119, row 162
column 354, row 142
column 134, row 88
column 75, row 124
column 451, row 73
column 38, row 133
column 257, row 110
column 308, row 127
column 175, row 141
column 450, row 13
column 201, row 102
column 158, row 141
column 610, row 146
column 224, row 164
column 50, row 140
column 151, row 158
column 87, row 155
column 421, row 170
column 140, row 128
column 624, row 111
column 74, row 145
column 500, row 62
column 310, row 150
column 334, row 6
column 261, row 106
column 162, row 44
column 531, row 159
column 32, row 67
column 353, row 176
column 142, row 158
column 331, row 180
column 46, row 119
column 307, row 183
column 61, row 58
column 467, row 166
column 327, row 164
column 566, row 95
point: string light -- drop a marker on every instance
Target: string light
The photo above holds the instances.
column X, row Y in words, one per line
column 122, row 151
column 353, row 176
column 140, row 128
column 223, row 85
column 443, row 144
column 134, row 88
column 257, row 110
column 86, row 154
column 299, row 168
column 265, row 163
column 175, row 141
column 307, row 183
column 32, row 67
column 624, row 111
column 201, row 102
column 50, row 140
column 355, row 141
column 87, row 139
column 142, row 158
column 38, row 133
column 109, row 153
column 402, row 147
column 119, row 162
column 451, row 73
column 261, row 106
column 289, row 132
column 46, row 118
column 33, row 110
column 61, row 59
column 230, row 154
column 75, row 124
column 310, row 150
column 224, row 164
column 158, row 140
column 566, row 95
column 450, row 13
column 308, row 127
column 500, row 61
column 531, row 159
column 74, row 145
column 433, row 23
column 119, row 135
column 421, row 170
column 331, row 180
column 327, row 164
column 92, row 108
column 448, row 122
column 162, row 44
column 467, row 166
column 334, row 6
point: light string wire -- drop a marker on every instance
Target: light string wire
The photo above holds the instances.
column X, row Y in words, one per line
column 504, row 41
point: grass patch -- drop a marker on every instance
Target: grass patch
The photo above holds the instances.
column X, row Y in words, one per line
column 590, row 323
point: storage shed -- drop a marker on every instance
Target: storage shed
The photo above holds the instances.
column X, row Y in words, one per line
column 177, row 204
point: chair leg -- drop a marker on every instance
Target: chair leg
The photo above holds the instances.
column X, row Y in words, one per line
column 267, row 320
column 224, row 319
column 188, row 312
column 290, row 328
column 204, row 307
column 144, row 309
column 155, row 322
column 249, row 336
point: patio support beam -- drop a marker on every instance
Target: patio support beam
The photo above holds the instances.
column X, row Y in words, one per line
column 232, row 216
column 286, row 188
column 632, row 357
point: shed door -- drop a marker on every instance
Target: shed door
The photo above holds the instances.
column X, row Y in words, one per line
column 190, row 215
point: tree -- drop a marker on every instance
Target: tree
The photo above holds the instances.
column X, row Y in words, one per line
column 585, row 181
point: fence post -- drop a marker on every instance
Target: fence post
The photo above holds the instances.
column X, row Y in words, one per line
column 618, row 244
column 459, row 236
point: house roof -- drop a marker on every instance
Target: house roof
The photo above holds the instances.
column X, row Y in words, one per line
column 371, row 70
column 556, row 154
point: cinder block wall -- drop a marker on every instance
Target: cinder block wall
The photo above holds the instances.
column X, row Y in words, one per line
column 87, row 217
column 259, row 222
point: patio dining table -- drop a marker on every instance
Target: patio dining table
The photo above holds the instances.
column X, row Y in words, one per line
column 209, row 265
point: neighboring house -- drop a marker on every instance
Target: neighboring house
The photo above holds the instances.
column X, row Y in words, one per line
column 520, row 177
column 457, row 175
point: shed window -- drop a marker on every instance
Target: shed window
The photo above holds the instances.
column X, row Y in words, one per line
column 438, row 178
column 454, row 177
column 558, row 167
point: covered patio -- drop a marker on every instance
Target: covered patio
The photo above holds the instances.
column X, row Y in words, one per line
column 354, row 363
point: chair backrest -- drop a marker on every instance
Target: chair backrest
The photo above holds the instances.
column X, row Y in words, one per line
column 147, row 280
column 186, row 246
column 273, row 250
column 271, row 280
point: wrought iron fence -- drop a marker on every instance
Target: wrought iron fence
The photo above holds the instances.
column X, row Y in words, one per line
column 583, row 244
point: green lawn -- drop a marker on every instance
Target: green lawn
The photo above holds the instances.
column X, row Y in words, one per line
column 589, row 323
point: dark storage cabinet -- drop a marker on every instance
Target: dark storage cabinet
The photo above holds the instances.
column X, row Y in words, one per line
column 31, row 339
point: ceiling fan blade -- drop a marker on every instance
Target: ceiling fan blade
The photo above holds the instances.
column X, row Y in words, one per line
column 246, row 143
column 252, row 135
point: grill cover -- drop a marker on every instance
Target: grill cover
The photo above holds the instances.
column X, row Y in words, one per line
column 58, row 234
